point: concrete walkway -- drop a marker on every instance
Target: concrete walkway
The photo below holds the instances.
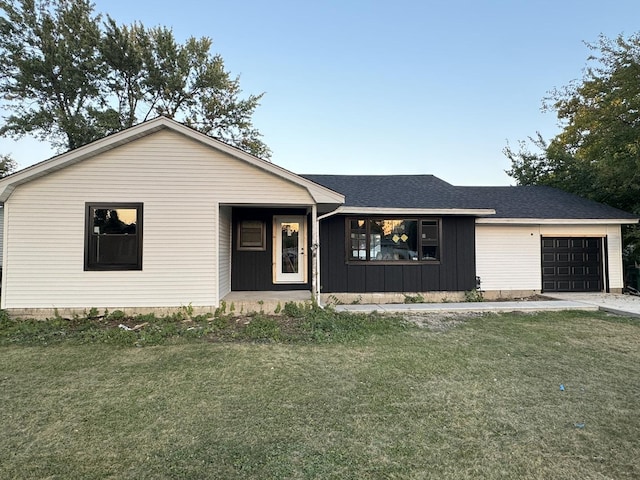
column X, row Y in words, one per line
column 627, row 305
column 471, row 307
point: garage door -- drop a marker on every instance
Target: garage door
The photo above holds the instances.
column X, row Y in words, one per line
column 572, row 264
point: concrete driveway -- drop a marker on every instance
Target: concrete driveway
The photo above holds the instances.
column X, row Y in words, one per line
column 609, row 302
column 627, row 305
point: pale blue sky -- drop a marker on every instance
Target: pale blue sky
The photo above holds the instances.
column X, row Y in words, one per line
column 379, row 87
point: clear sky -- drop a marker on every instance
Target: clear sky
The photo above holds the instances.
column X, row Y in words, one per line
column 380, row 87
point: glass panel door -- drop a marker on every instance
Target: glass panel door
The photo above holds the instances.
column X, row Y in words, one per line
column 290, row 265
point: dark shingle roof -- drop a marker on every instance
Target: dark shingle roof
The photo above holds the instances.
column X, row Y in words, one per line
column 428, row 191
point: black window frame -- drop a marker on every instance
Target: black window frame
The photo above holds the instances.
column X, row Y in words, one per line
column 369, row 218
column 90, row 265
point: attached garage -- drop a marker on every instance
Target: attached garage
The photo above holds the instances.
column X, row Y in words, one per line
column 572, row 264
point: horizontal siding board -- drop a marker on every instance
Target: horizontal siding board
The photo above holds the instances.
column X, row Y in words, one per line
column 180, row 182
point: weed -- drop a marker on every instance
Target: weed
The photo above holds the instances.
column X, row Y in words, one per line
column 221, row 310
column 473, row 296
column 92, row 314
column 263, row 328
column 277, row 309
column 357, row 301
column 116, row 315
column 293, row 310
column 417, row 298
column 188, row 310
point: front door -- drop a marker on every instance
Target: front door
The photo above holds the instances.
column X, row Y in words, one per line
column 290, row 240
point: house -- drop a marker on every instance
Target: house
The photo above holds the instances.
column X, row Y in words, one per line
column 160, row 216
column 512, row 241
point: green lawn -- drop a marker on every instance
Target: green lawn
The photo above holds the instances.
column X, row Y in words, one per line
column 479, row 399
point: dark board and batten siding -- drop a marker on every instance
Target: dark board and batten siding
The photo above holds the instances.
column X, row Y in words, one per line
column 253, row 270
column 456, row 270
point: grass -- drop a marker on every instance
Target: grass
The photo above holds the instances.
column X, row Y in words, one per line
column 326, row 396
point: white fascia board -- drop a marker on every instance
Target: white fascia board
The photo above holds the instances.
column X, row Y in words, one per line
column 411, row 211
column 319, row 193
column 555, row 221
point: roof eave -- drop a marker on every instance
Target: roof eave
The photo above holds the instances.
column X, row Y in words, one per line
column 414, row 211
column 556, row 221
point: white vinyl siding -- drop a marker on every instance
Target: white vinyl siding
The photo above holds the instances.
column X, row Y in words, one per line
column 1, row 235
column 224, row 252
column 181, row 183
column 508, row 257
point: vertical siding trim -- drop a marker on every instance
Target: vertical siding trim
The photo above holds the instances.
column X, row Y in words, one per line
column 224, row 252
column 5, row 249
column 1, row 234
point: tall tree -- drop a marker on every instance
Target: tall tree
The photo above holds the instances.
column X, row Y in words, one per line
column 69, row 77
column 7, row 165
column 597, row 152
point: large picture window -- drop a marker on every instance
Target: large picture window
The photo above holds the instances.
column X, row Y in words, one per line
column 393, row 240
column 113, row 236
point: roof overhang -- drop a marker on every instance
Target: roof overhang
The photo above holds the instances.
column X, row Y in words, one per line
column 319, row 193
column 412, row 211
column 556, row 221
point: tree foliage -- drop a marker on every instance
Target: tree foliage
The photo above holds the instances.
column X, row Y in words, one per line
column 69, row 76
column 7, row 165
column 597, row 152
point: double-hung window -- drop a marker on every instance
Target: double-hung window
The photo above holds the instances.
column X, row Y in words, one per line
column 113, row 236
column 373, row 239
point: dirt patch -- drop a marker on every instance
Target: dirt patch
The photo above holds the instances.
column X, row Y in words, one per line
column 440, row 322
column 530, row 298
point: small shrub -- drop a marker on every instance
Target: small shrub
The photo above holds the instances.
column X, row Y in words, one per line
column 263, row 328
column 116, row 315
column 293, row 310
column 202, row 317
column 473, row 296
column 413, row 298
column 146, row 317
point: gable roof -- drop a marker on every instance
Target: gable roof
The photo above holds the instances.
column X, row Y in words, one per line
column 526, row 204
column 321, row 194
